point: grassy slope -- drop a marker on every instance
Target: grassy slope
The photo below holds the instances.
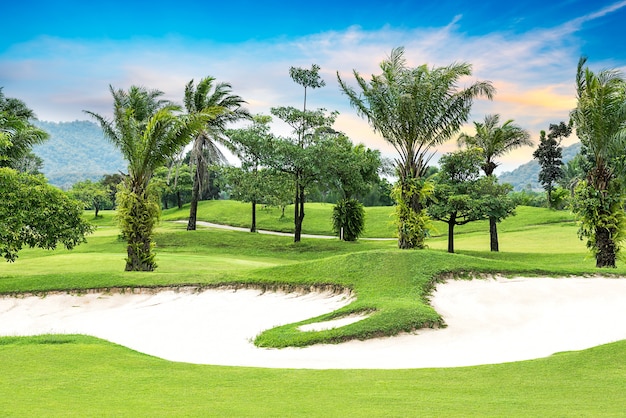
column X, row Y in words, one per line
column 85, row 376
column 317, row 220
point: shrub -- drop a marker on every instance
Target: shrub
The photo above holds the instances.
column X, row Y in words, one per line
column 348, row 214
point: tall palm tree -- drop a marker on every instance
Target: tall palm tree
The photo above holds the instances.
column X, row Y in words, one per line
column 227, row 107
column 148, row 131
column 414, row 109
column 495, row 140
column 600, row 121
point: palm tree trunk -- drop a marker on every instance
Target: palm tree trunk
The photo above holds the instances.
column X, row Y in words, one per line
column 139, row 242
column 493, row 234
column 139, row 254
column 193, row 208
column 606, row 249
column 407, row 237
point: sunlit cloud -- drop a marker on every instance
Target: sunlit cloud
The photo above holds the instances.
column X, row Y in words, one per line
column 533, row 71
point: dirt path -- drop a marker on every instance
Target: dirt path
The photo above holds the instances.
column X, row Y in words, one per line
column 282, row 234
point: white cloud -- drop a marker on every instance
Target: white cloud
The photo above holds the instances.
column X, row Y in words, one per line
column 533, row 72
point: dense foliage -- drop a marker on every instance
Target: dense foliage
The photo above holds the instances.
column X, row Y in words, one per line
column 35, row 214
column 549, row 154
column 414, row 109
column 600, row 121
column 94, row 195
column 17, row 133
column 148, row 131
column 348, row 219
column 495, row 140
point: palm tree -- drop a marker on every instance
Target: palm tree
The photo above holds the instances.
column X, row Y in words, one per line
column 600, row 121
column 495, row 140
column 148, row 131
column 414, row 109
column 228, row 108
column 17, row 133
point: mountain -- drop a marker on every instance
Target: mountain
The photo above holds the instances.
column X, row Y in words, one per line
column 76, row 151
column 528, row 173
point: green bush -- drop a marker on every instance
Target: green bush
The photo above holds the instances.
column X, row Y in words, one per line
column 349, row 214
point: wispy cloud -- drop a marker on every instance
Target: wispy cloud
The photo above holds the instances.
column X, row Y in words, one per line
column 533, row 71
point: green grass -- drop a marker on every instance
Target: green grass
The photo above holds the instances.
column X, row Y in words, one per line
column 83, row 376
column 317, row 220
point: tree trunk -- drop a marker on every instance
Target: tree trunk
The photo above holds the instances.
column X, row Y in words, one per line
column 193, row 209
column 493, row 234
column 296, row 217
column 606, row 248
column 298, row 213
column 179, row 200
column 97, row 208
column 549, row 196
column 451, row 224
column 253, row 225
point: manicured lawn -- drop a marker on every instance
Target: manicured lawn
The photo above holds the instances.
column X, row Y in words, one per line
column 84, row 376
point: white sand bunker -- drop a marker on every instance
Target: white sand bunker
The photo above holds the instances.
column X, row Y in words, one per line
column 489, row 321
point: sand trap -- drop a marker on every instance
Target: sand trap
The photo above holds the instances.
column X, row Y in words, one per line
column 489, row 321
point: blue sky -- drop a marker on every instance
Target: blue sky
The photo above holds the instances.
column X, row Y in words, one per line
column 60, row 57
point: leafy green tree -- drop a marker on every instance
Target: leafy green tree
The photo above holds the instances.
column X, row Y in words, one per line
column 94, row 195
column 32, row 212
column 549, row 154
column 354, row 170
column 148, row 131
column 498, row 204
column 305, row 161
column 456, row 199
column 35, row 214
column 110, row 182
column 495, row 140
column 600, row 122
column 218, row 99
column 307, row 125
column 251, row 145
column 281, row 190
column 461, row 195
column 174, row 184
column 414, row 109
column 379, row 194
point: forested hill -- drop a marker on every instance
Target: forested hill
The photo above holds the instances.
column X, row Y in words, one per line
column 529, row 173
column 76, row 151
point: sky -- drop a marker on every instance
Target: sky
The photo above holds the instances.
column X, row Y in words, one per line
column 60, row 57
